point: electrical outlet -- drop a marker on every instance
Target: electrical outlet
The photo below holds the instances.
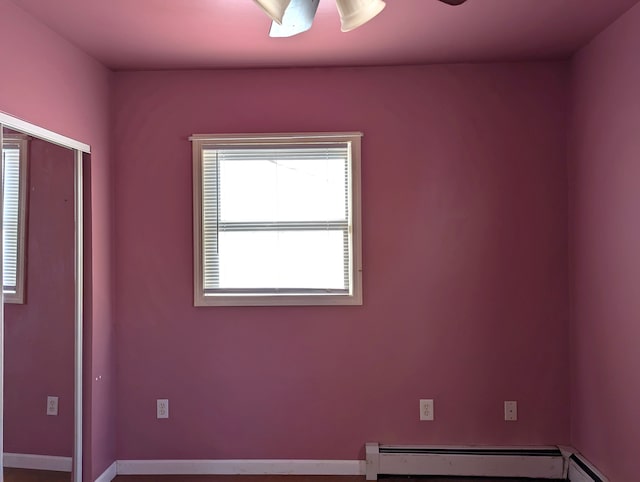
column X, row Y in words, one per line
column 52, row 405
column 426, row 409
column 162, row 408
column 511, row 410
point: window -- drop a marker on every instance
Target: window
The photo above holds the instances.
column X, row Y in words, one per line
column 14, row 163
column 277, row 219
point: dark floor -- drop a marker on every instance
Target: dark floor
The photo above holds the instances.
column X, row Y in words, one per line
column 302, row 478
column 21, row 475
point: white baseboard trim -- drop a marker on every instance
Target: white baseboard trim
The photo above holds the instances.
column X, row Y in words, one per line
column 234, row 467
column 37, row 462
column 109, row 474
column 575, row 470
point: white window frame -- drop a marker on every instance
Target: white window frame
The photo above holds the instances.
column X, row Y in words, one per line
column 22, row 141
column 354, row 296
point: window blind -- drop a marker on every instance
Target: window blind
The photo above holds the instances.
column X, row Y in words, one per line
column 276, row 220
column 11, row 210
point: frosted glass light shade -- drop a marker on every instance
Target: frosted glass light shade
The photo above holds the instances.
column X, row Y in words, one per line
column 297, row 19
column 354, row 13
column 274, row 8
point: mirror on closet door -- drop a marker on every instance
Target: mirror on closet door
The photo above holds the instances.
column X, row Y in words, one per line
column 39, row 308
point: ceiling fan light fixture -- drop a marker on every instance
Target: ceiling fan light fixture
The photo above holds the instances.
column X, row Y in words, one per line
column 297, row 19
column 354, row 13
column 274, row 8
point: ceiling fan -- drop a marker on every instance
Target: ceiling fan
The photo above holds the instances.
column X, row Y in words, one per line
column 292, row 17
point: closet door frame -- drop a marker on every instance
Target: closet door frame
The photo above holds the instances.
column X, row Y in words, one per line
column 79, row 148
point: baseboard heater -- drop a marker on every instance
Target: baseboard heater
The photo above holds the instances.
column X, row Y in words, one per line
column 529, row 462
column 581, row 471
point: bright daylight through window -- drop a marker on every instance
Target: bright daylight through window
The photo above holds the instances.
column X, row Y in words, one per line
column 14, row 160
column 277, row 219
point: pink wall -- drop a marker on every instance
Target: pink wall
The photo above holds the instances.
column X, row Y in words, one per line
column 39, row 335
column 465, row 284
column 49, row 82
column 605, row 235
column 465, row 267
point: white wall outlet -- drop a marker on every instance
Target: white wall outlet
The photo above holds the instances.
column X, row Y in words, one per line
column 510, row 410
column 426, row 409
column 162, row 408
column 52, row 405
